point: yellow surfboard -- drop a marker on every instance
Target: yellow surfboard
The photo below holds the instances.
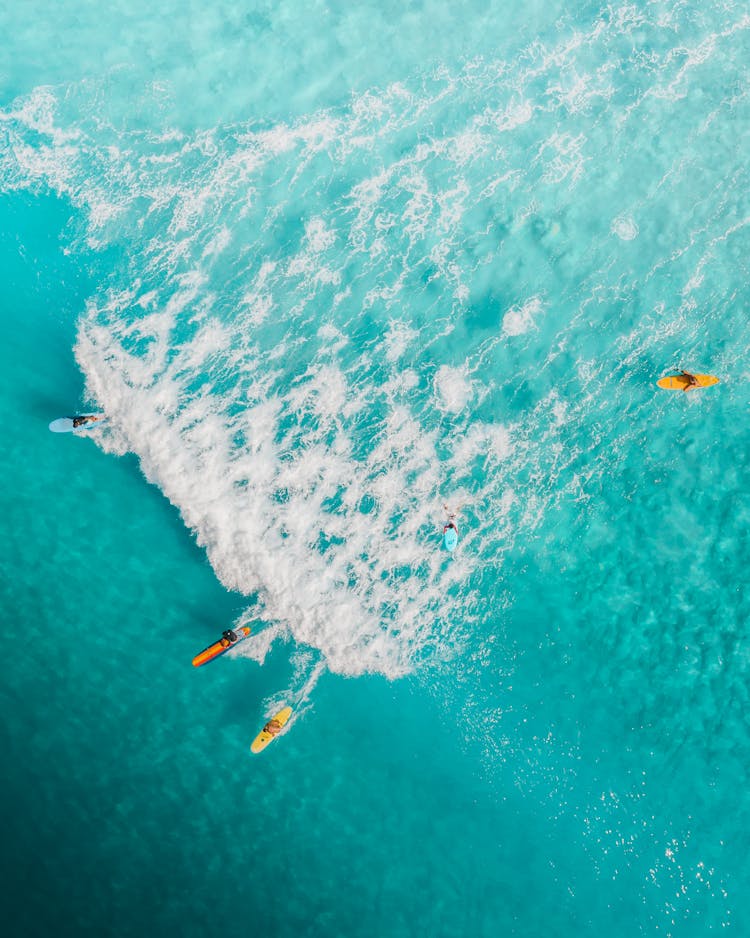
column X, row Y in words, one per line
column 680, row 382
column 263, row 738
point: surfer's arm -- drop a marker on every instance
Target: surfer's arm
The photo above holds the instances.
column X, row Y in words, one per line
column 691, row 378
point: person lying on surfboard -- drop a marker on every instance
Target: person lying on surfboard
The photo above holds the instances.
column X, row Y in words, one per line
column 84, row 419
column 273, row 727
column 452, row 515
column 692, row 381
column 228, row 637
column 450, row 529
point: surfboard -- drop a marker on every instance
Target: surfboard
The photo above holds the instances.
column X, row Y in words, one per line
column 680, row 382
column 213, row 651
column 263, row 738
column 450, row 538
column 65, row 424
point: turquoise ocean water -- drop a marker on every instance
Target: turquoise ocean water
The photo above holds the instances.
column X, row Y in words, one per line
column 326, row 268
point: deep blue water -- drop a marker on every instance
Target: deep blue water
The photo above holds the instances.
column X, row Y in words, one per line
column 327, row 269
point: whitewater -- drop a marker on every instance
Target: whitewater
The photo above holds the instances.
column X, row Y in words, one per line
column 354, row 267
column 284, row 343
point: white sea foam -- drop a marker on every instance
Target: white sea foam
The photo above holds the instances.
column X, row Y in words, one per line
column 399, row 337
column 452, row 388
column 521, row 319
column 309, row 464
column 316, row 333
column 625, row 228
column 254, row 431
column 331, row 600
column 514, row 115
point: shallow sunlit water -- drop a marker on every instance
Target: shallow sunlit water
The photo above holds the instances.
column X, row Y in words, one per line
column 327, row 270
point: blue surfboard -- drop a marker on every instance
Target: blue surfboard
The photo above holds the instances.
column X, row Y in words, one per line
column 450, row 539
column 65, row 424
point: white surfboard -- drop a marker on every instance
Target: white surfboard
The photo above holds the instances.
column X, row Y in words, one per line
column 65, row 424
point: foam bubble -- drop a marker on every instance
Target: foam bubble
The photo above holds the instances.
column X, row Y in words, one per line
column 398, row 338
column 514, row 116
column 625, row 228
column 521, row 319
column 452, row 388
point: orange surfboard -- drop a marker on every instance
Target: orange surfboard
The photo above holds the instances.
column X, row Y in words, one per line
column 680, row 382
column 218, row 648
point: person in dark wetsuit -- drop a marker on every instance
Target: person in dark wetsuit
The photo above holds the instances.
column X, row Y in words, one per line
column 83, row 420
column 228, row 637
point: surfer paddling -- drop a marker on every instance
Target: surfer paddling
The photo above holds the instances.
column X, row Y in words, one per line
column 692, row 381
column 84, row 419
column 686, row 381
column 452, row 515
column 450, row 523
column 450, row 528
column 271, row 730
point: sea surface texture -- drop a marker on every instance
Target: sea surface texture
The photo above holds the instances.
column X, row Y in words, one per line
column 328, row 267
